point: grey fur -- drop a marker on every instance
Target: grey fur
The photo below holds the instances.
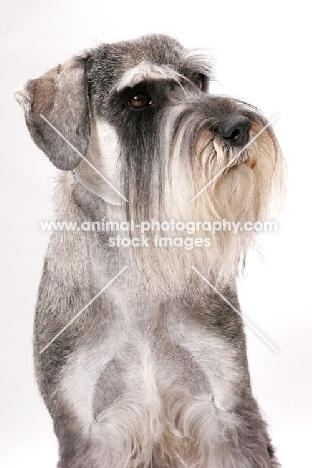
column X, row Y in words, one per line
column 154, row 373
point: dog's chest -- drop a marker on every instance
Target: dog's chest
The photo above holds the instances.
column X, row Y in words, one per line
column 142, row 358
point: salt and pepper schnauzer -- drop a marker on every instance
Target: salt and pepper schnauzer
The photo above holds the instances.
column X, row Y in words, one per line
column 154, row 372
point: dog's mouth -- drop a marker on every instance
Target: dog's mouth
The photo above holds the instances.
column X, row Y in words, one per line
column 251, row 162
column 245, row 156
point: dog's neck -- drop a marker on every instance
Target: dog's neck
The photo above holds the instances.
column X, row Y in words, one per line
column 92, row 205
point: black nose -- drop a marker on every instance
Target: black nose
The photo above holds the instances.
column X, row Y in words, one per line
column 235, row 130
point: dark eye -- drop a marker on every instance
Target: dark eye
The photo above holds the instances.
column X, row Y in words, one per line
column 199, row 81
column 139, row 100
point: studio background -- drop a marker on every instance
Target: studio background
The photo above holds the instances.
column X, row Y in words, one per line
column 263, row 54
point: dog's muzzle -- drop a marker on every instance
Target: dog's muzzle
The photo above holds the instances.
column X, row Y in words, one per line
column 235, row 130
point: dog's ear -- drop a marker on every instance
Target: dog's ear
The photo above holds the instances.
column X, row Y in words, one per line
column 60, row 95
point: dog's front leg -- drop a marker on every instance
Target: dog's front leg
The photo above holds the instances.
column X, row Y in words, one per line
column 66, row 369
column 226, row 421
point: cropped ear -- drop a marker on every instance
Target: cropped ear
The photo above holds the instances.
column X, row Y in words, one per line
column 61, row 96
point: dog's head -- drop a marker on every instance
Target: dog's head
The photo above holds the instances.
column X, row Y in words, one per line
column 140, row 112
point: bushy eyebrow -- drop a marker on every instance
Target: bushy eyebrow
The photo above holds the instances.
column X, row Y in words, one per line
column 192, row 62
column 144, row 72
column 197, row 61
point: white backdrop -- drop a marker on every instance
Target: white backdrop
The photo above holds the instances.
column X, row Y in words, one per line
column 263, row 54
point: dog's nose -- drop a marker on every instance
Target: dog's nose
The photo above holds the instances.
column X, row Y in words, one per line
column 235, row 130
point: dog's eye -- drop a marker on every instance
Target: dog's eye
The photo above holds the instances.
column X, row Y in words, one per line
column 139, row 100
column 199, row 81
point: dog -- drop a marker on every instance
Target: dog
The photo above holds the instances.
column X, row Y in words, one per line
column 139, row 344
